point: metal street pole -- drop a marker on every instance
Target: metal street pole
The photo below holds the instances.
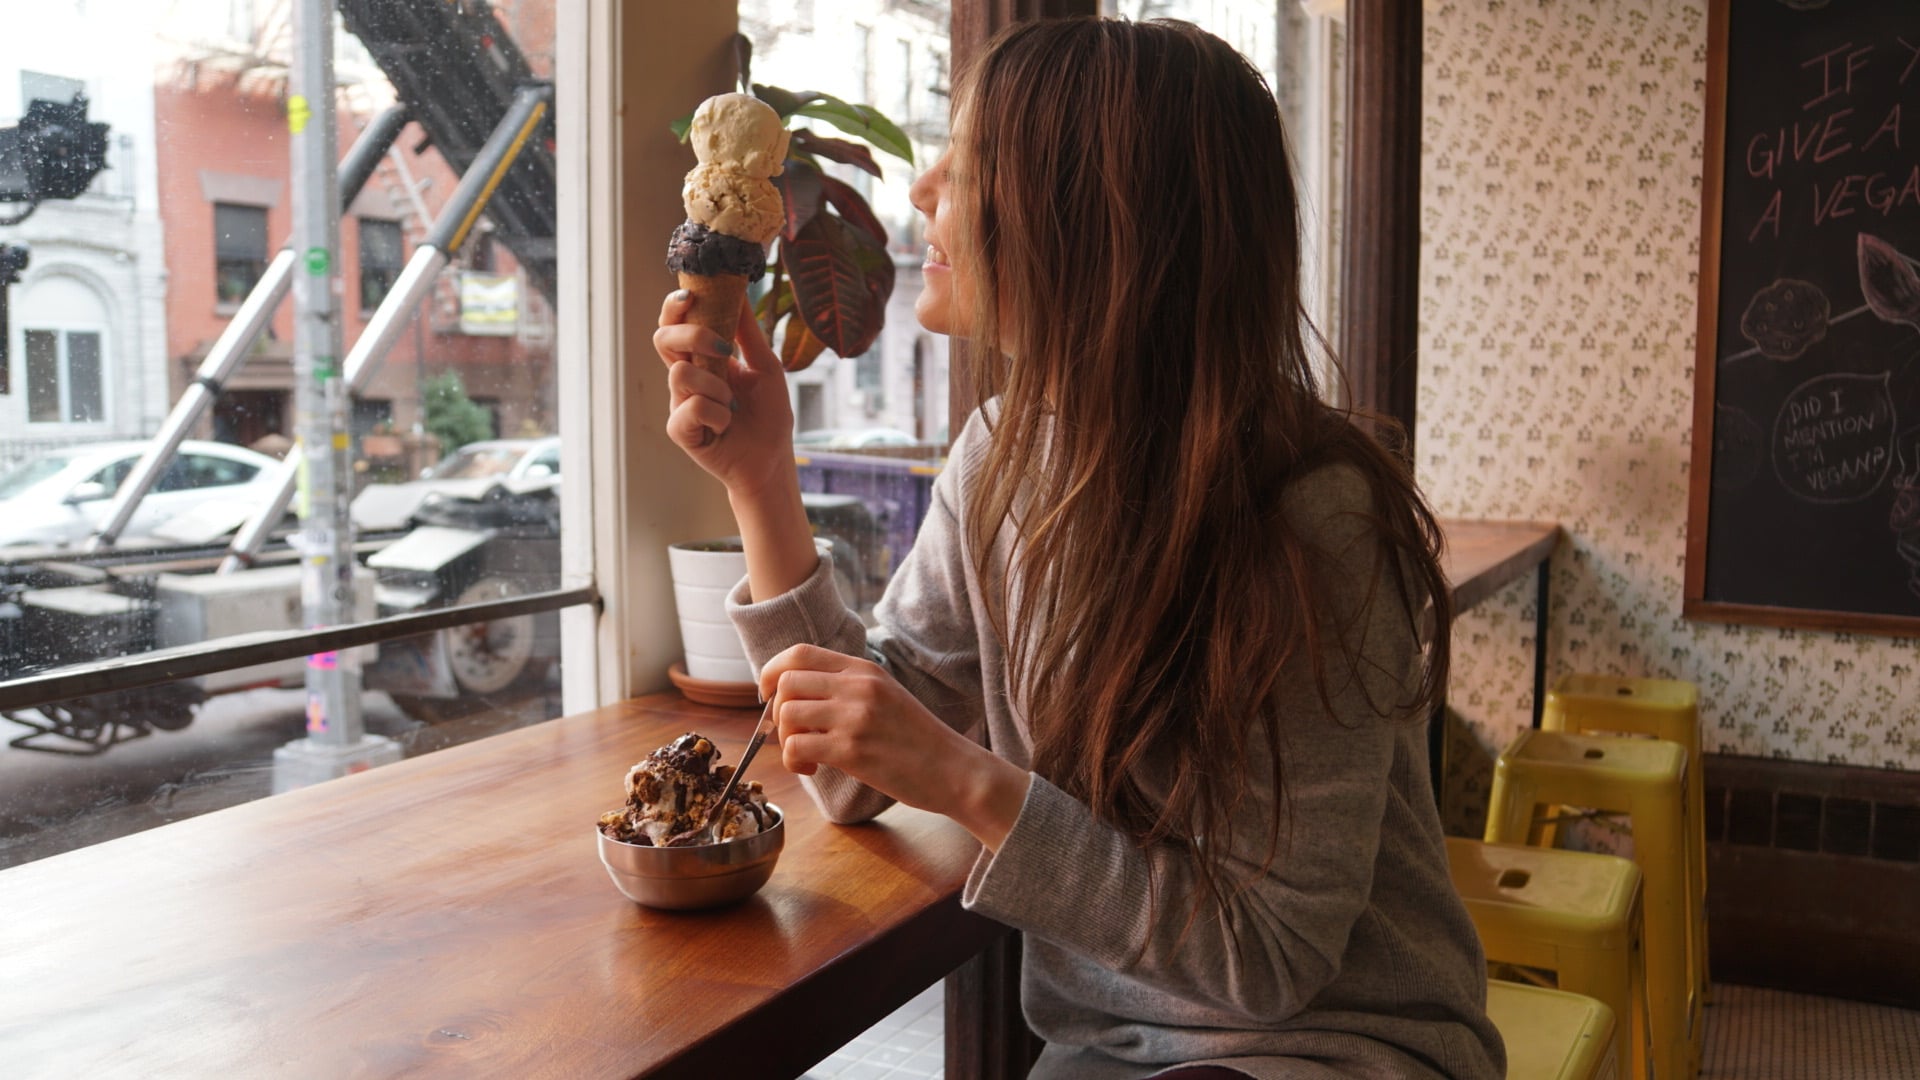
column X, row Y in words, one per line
column 335, row 742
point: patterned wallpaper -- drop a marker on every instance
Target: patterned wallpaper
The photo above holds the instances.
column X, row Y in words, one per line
column 1561, row 196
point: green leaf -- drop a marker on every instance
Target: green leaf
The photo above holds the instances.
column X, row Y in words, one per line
column 862, row 122
column 681, row 126
column 786, row 102
column 841, row 281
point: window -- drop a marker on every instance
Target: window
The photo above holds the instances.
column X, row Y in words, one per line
column 869, row 378
column 548, row 459
column 206, row 471
column 113, row 323
column 64, row 377
column 38, row 86
column 239, row 250
column 109, row 477
column 371, row 415
column 863, row 63
column 903, row 104
column 381, row 258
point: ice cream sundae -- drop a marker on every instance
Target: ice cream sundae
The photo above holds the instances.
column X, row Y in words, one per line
column 671, row 798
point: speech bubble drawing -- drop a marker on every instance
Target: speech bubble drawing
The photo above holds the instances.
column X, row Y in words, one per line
column 1833, row 438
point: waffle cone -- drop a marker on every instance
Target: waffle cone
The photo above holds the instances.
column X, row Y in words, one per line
column 716, row 306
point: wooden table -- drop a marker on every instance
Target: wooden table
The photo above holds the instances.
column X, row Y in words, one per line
column 1483, row 557
column 448, row 916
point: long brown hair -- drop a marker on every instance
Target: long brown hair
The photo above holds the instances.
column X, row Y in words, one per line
column 1123, row 190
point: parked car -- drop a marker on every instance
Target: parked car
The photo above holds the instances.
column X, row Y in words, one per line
column 58, row 497
column 467, row 473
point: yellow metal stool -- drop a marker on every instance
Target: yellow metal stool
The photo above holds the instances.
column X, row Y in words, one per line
column 1552, row 1034
column 1664, row 709
column 1570, row 912
column 1644, row 779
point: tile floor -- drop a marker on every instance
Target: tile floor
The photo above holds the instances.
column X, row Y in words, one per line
column 1752, row 1034
column 905, row 1046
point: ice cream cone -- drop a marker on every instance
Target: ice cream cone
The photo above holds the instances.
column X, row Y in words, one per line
column 716, row 306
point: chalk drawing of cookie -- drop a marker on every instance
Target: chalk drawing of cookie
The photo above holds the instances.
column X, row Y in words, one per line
column 1784, row 319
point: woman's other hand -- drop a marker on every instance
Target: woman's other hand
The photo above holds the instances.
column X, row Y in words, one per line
column 850, row 714
column 737, row 426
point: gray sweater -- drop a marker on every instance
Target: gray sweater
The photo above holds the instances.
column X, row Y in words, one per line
column 1354, row 956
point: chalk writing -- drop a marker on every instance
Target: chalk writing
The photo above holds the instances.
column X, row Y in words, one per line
column 1833, row 438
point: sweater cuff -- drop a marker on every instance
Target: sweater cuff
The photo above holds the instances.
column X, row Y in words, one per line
column 806, row 613
column 1007, row 885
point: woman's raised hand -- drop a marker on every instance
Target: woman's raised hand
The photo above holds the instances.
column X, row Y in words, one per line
column 737, row 426
column 850, row 714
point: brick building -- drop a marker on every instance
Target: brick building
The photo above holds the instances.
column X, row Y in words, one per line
column 223, row 179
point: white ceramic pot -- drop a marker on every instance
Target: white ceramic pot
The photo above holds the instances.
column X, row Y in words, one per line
column 704, row 571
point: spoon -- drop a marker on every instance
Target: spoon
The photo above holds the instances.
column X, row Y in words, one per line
column 712, row 825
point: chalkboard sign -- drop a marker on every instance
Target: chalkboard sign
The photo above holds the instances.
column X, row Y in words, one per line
column 1805, row 486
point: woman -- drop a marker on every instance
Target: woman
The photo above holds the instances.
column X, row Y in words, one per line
column 1171, row 624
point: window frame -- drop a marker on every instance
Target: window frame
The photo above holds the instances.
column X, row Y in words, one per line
column 222, row 304
column 63, row 372
column 390, row 270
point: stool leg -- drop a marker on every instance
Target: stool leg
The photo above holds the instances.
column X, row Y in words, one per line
column 1657, row 838
column 1643, row 1058
column 1605, row 977
column 1697, row 833
column 1510, row 809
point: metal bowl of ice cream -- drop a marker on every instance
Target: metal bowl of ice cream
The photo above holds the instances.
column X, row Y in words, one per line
column 698, row 876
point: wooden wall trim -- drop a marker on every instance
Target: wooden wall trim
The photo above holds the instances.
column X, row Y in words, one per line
column 1380, row 236
column 1812, row 873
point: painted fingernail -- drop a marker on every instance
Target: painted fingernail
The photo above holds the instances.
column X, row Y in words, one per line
column 680, row 296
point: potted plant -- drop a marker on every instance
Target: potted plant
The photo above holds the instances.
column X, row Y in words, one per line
column 829, row 275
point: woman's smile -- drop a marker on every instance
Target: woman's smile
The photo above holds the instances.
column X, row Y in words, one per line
column 936, row 259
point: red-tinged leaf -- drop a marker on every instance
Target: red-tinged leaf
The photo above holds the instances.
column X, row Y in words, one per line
column 841, row 281
column 799, row 346
column 1889, row 282
column 841, row 150
column 847, row 200
column 799, row 185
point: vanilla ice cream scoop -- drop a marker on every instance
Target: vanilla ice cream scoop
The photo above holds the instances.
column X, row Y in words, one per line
column 741, row 133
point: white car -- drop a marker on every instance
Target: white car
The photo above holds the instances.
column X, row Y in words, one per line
column 466, row 473
column 58, row 497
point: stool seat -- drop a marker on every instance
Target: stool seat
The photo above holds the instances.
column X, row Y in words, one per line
column 1587, row 704
column 1552, row 1034
column 1597, row 762
column 1645, row 779
column 1577, row 892
column 1574, row 913
column 1599, row 698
